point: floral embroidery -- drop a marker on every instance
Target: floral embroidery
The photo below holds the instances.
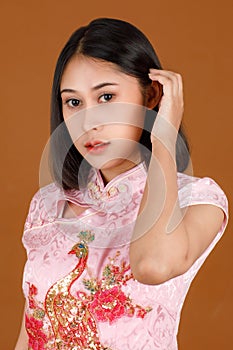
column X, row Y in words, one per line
column 109, row 305
column 37, row 338
column 74, row 319
column 31, row 294
column 108, row 302
column 34, row 323
column 38, row 312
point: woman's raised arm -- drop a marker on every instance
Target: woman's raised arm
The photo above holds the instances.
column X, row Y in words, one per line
column 166, row 242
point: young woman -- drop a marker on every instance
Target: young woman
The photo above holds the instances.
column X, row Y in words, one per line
column 115, row 241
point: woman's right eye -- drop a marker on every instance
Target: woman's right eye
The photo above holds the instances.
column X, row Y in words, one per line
column 72, row 102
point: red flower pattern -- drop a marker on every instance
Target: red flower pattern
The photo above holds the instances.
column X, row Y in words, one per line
column 37, row 338
column 106, row 303
column 32, row 293
column 107, row 300
column 109, row 304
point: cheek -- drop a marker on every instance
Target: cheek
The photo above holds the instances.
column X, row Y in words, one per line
column 129, row 133
column 79, row 144
column 134, row 94
column 75, row 130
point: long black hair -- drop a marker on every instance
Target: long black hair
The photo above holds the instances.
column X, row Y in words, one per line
column 121, row 43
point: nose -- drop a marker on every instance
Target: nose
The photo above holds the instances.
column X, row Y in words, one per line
column 91, row 119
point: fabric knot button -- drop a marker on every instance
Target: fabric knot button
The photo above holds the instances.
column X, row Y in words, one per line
column 122, row 188
column 94, row 190
column 112, row 192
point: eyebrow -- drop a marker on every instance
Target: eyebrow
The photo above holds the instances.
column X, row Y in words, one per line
column 97, row 87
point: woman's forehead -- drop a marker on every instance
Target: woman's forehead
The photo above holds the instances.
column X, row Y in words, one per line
column 90, row 71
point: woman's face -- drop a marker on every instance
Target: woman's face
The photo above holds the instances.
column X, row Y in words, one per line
column 107, row 119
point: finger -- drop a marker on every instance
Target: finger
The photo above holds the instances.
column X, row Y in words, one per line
column 170, row 86
column 175, row 77
column 180, row 82
column 164, row 72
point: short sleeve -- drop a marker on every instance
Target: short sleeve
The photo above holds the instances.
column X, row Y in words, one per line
column 193, row 191
column 34, row 211
column 43, row 206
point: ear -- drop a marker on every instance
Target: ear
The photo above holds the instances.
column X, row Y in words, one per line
column 153, row 94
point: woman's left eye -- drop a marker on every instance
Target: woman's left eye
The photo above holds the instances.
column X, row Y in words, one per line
column 105, row 97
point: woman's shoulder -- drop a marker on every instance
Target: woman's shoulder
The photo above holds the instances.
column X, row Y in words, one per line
column 193, row 190
column 200, row 190
column 43, row 205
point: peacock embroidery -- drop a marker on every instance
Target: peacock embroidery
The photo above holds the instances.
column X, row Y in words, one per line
column 74, row 319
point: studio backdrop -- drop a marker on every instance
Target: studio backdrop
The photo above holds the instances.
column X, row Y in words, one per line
column 193, row 38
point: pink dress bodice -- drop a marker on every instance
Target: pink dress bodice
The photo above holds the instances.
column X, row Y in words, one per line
column 78, row 285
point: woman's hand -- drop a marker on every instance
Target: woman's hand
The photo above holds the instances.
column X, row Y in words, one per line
column 171, row 106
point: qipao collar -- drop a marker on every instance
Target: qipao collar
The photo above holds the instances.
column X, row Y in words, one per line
column 111, row 197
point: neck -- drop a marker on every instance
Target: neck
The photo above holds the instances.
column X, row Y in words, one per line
column 110, row 173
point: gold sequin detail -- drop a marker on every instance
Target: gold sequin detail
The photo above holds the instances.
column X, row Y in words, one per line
column 73, row 325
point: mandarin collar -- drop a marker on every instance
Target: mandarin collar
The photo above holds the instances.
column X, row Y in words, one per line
column 112, row 196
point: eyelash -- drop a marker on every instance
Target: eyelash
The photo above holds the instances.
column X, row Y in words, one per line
column 68, row 101
column 106, row 94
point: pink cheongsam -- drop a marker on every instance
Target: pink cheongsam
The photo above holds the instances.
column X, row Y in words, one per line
column 80, row 292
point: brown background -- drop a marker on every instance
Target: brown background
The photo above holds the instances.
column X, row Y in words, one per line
column 193, row 38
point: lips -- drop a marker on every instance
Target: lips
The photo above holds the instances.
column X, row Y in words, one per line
column 96, row 146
